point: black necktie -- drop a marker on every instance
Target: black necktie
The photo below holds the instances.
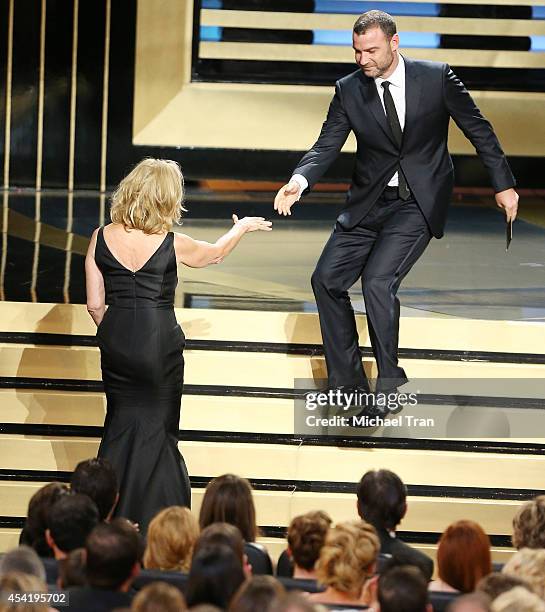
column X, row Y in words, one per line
column 395, row 126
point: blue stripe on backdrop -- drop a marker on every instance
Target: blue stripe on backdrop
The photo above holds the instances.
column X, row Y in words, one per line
column 211, row 4
column 538, row 43
column 420, row 40
column 211, row 33
column 538, row 12
column 355, row 7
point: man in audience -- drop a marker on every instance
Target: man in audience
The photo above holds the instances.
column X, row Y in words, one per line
column 382, row 501
column 69, row 521
column 229, row 535
column 24, row 560
column 403, row 589
column 114, row 553
column 97, row 479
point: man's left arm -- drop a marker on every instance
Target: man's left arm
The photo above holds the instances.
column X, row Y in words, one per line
column 479, row 132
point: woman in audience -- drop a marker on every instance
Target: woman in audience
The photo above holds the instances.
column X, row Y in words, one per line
column 24, row 560
column 529, row 565
column 171, row 537
column 228, row 499
column 19, row 584
column 463, row 558
column 159, row 596
column 529, row 524
column 33, row 533
column 497, row 583
column 347, row 563
column 306, row 536
column 518, row 599
column 258, row 593
column 215, row 576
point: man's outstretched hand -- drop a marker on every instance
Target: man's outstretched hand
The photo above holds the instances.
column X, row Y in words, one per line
column 286, row 198
column 509, row 201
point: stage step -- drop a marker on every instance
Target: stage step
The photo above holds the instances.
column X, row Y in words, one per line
column 275, row 507
column 234, row 368
column 298, row 460
column 431, row 332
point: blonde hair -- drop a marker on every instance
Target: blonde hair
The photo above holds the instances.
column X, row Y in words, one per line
column 150, row 197
column 528, row 564
column 17, row 582
column 159, row 597
column 529, row 524
column 171, row 537
column 347, row 557
column 518, row 599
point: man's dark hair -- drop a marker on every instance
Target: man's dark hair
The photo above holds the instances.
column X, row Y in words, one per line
column 215, row 575
column 112, row 550
column 97, row 479
column 376, row 19
column 71, row 519
column 403, row 589
column 221, row 533
column 33, row 533
column 382, row 499
column 497, row 583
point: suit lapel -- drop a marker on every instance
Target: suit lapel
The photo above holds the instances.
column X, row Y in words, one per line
column 372, row 100
column 413, row 91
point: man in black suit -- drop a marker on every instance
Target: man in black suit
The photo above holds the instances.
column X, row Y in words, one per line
column 399, row 110
column 382, row 501
column 113, row 559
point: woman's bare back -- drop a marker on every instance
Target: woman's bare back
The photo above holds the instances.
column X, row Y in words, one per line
column 132, row 248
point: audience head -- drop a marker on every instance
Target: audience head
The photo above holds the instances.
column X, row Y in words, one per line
column 474, row 602
column 159, row 597
column 403, row 589
column 150, row 197
column 518, row 599
column 19, row 583
column 72, row 571
column 529, row 565
column 348, row 557
column 97, row 479
column 382, row 499
column 215, row 575
column 224, row 533
column 113, row 551
column 463, row 555
column 529, row 524
column 293, row 602
column 228, row 499
column 24, row 560
column 69, row 521
column 306, row 536
column 170, row 539
column 497, row 583
column 33, row 533
column 257, row 593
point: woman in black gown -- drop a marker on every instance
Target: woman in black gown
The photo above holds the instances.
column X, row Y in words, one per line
column 131, row 266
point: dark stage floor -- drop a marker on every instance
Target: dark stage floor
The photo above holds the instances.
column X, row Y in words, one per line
column 468, row 273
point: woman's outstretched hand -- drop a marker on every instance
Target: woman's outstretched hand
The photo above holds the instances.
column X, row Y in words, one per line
column 252, row 224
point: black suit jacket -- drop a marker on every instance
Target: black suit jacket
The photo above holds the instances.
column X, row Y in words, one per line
column 404, row 553
column 433, row 95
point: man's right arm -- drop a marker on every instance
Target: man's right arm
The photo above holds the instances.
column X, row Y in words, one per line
column 315, row 162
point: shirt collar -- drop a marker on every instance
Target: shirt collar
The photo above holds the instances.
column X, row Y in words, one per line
column 397, row 78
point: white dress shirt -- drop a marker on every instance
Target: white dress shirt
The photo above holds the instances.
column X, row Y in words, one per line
column 397, row 89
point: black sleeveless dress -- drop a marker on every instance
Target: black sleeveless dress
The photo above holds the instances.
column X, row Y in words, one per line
column 141, row 347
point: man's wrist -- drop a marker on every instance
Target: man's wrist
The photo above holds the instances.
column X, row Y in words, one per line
column 301, row 181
